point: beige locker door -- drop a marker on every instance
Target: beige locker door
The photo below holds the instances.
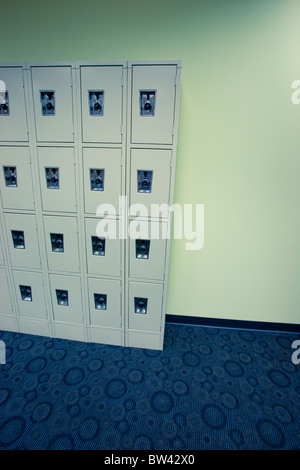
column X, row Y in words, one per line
column 15, row 178
column 57, row 179
column 102, row 178
column 62, row 243
column 102, row 104
column 66, row 298
column 153, row 103
column 147, row 255
column 105, row 302
column 30, row 294
column 13, row 122
column 150, row 177
column 53, row 107
column 145, row 306
column 22, row 239
column 103, row 254
column 5, row 305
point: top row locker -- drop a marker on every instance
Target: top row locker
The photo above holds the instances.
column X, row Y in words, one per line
column 13, row 123
column 53, row 104
column 153, row 104
column 102, row 103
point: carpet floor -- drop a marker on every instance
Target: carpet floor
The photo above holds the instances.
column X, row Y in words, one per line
column 209, row 388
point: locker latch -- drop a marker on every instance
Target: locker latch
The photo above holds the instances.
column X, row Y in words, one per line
column 142, row 248
column 26, row 293
column 98, row 246
column 4, row 104
column 62, row 297
column 97, row 179
column 48, row 103
column 96, row 102
column 144, row 181
column 140, row 305
column 10, row 176
column 18, row 239
column 57, row 242
column 52, row 178
column 100, row 301
column 147, row 102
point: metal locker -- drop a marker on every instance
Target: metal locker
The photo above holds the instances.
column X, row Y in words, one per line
column 21, row 230
column 153, row 102
column 102, row 178
column 5, row 304
column 30, row 295
column 57, row 179
column 146, row 254
column 145, row 306
column 103, row 253
column 102, row 104
column 66, row 298
column 61, row 234
column 53, row 106
column 150, row 177
column 105, row 302
column 13, row 122
column 16, row 179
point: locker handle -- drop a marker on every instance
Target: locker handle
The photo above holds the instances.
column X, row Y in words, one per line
column 140, row 305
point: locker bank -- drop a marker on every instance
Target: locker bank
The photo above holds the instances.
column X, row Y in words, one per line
column 74, row 136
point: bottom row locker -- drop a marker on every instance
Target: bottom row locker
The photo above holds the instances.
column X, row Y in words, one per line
column 145, row 306
column 105, row 302
column 66, row 298
column 30, row 294
column 5, row 306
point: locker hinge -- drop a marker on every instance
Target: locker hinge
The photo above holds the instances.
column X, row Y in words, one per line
column 122, row 79
column 121, row 129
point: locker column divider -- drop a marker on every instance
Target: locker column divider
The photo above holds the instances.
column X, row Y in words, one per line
column 127, row 188
column 79, row 195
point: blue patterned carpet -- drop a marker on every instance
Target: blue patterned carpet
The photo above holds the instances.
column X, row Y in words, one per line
column 208, row 389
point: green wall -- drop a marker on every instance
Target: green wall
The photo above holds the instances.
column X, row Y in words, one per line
column 239, row 135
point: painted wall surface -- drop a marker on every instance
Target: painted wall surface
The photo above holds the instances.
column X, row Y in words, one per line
column 239, row 135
